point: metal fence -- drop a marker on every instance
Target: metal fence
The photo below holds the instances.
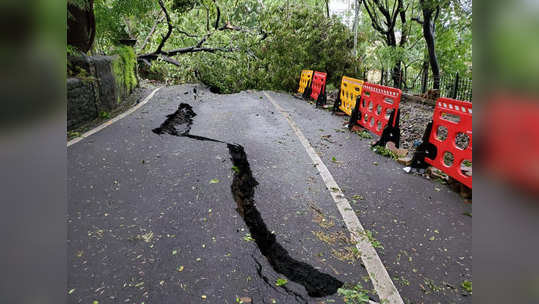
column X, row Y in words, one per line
column 451, row 85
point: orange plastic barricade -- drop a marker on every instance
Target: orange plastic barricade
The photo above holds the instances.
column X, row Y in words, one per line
column 449, row 147
column 318, row 88
column 305, row 80
column 349, row 92
column 378, row 112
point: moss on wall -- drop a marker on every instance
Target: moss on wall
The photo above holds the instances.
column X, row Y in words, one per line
column 124, row 68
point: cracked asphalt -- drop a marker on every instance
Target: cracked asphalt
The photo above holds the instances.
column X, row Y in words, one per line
column 151, row 218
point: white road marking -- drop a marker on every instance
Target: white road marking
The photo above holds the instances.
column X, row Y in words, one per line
column 113, row 120
column 381, row 281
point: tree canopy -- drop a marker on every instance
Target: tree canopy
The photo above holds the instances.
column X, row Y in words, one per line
column 235, row 45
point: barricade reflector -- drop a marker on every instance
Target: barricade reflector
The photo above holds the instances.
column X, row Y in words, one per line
column 451, row 134
column 349, row 92
column 305, row 80
column 318, row 88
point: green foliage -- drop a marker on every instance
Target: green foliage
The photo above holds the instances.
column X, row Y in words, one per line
column 354, row 295
column 104, row 115
column 365, row 134
column 72, row 51
column 276, row 40
column 183, row 5
column 374, row 242
column 124, row 67
column 281, row 282
column 384, row 152
column 119, row 20
column 306, row 39
column 467, row 285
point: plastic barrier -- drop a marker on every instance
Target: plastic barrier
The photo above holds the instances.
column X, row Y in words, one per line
column 305, row 80
column 447, row 142
column 348, row 94
column 378, row 112
column 318, row 88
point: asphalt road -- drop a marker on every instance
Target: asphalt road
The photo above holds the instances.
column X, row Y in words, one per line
column 156, row 218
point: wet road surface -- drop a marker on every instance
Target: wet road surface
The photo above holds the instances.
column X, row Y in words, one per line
column 226, row 204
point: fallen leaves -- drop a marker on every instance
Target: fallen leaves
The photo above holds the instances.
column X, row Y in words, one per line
column 348, row 254
column 281, row 282
column 214, row 181
column 147, row 237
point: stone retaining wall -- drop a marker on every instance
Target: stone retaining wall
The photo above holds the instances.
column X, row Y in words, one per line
column 97, row 87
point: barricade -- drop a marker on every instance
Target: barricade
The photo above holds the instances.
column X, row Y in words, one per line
column 318, row 88
column 349, row 92
column 447, row 142
column 378, row 112
column 305, row 80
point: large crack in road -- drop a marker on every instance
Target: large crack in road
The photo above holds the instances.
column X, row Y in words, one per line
column 316, row 283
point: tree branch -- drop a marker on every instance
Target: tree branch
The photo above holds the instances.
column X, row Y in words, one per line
column 187, row 34
column 169, row 23
column 169, row 60
column 218, row 17
column 152, row 31
column 375, row 23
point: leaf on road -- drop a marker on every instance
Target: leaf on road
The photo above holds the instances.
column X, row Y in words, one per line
column 214, row 181
column 248, row 238
column 281, row 282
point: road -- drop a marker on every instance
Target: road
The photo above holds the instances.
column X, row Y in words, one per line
column 237, row 194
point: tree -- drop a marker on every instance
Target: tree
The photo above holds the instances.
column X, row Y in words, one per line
column 384, row 18
column 431, row 11
column 80, row 24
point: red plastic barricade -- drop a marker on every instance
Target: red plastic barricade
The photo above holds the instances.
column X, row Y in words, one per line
column 451, row 134
column 378, row 111
column 318, row 88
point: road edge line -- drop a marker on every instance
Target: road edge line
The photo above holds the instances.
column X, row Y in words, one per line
column 113, row 120
column 380, row 279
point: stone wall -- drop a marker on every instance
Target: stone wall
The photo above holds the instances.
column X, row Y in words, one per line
column 96, row 85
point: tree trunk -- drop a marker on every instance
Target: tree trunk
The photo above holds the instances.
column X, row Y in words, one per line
column 397, row 75
column 425, row 76
column 81, row 26
column 356, row 17
column 327, row 8
column 428, row 33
